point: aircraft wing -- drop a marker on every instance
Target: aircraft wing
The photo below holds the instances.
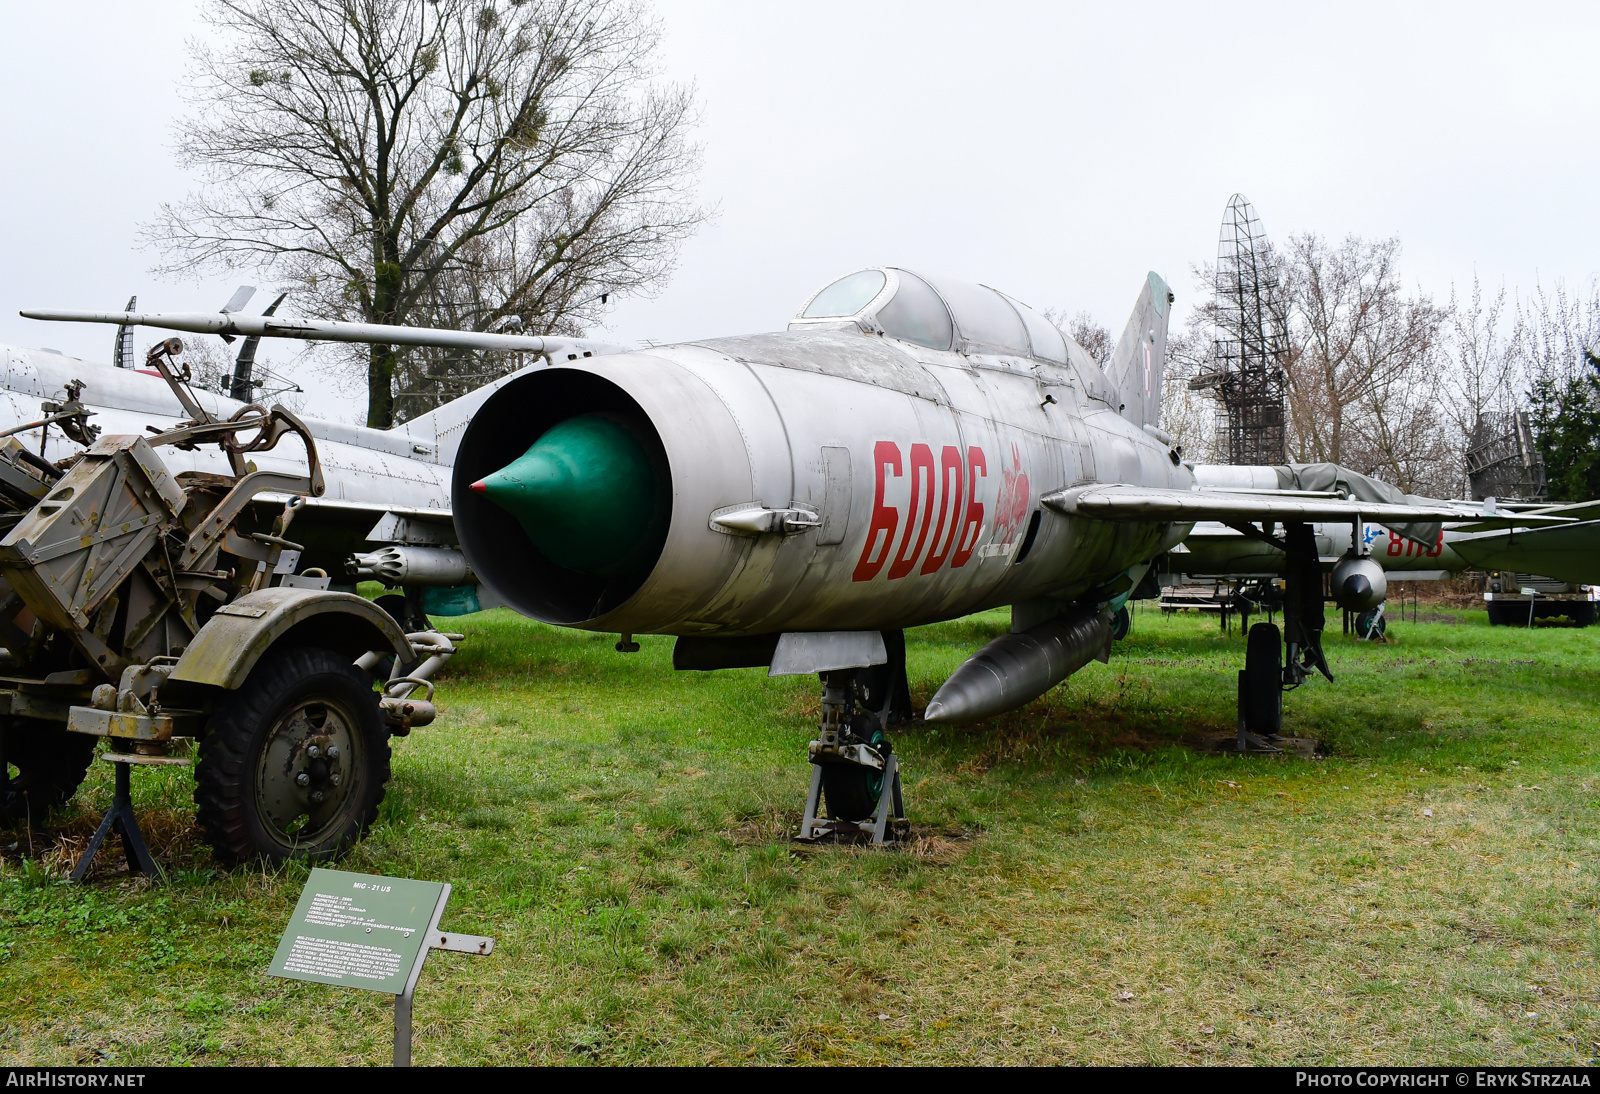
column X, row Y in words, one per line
column 1144, row 503
column 331, row 529
column 1567, row 553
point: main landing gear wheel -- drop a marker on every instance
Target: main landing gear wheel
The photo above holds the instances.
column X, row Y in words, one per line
column 49, row 764
column 293, row 764
column 1261, row 689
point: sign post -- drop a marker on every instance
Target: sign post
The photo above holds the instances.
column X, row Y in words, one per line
column 371, row 932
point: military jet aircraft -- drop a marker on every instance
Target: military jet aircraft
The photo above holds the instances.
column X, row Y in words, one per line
column 912, row 449
column 1213, row 550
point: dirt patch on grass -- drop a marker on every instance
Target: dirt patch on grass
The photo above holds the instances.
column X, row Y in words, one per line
column 772, row 826
column 1305, row 748
column 174, row 840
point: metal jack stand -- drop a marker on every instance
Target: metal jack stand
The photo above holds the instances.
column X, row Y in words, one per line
column 1247, row 741
column 883, row 827
column 120, row 817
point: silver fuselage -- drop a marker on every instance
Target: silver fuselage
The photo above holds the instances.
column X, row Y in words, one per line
column 918, row 473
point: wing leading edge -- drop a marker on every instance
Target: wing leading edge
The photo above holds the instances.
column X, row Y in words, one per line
column 1420, row 522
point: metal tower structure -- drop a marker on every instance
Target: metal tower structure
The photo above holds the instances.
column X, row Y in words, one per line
column 1246, row 374
column 1502, row 460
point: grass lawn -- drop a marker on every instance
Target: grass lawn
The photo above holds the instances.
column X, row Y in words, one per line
column 1086, row 884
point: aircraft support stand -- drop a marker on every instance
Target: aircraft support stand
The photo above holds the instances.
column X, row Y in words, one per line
column 883, row 825
column 855, row 774
column 120, row 817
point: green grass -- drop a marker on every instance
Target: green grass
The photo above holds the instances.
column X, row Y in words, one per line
column 1087, row 884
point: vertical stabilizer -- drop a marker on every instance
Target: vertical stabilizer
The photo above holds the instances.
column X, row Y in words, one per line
column 1140, row 357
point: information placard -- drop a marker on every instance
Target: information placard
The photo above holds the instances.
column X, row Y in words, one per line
column 357, row 930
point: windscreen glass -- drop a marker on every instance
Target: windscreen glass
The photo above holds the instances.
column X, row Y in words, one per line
column 916, row 314
column 846, row 296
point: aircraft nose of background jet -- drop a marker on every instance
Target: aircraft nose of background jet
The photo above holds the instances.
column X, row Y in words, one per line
column 585, row 494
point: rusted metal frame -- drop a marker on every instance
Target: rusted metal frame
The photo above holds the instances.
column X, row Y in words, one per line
column 222, row 517
column 99, row 583
column 92, row 587
column 273, row 425
column 157, row 359
column 134, row 633
column 107, row 659
column 105, row 616
column 51, row 420
column 68, row 546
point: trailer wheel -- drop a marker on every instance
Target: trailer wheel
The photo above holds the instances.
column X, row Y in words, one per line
column 293, row 764
column 1263, row 673
column 50, row 764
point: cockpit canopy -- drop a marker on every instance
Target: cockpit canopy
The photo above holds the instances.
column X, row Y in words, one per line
column 934, row 312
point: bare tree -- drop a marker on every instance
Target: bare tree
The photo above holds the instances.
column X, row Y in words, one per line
column 1482, row 383
column 1553, row 330
column 435, row 162
column 1363, row 362
column 1190, row 416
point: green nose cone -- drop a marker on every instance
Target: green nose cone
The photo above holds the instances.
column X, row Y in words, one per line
column 586, row 495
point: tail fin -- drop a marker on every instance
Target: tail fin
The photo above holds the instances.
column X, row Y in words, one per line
column 1140, row 357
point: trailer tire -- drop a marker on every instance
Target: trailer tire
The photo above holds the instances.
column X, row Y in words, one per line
column 51, row 764
column 268, row 784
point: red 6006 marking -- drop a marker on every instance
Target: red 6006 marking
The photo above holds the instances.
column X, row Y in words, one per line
column 935, row 506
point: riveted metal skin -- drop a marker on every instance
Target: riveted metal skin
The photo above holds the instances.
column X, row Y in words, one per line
column 839, row 423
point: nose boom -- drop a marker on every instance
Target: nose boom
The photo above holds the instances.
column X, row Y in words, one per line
column 585, row 493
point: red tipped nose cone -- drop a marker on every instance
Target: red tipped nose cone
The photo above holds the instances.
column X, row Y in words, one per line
column 478, row 487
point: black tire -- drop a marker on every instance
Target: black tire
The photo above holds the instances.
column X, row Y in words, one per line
column 50, row 765
column 259, row 742
column 850, row 791
column 1370, row 626
column 1263, row 673
column 1121, row 623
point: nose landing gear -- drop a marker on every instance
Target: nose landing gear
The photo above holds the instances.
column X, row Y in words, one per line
column 855, row 775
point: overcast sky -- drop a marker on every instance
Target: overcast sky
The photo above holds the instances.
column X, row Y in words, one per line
column 1055, row 151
